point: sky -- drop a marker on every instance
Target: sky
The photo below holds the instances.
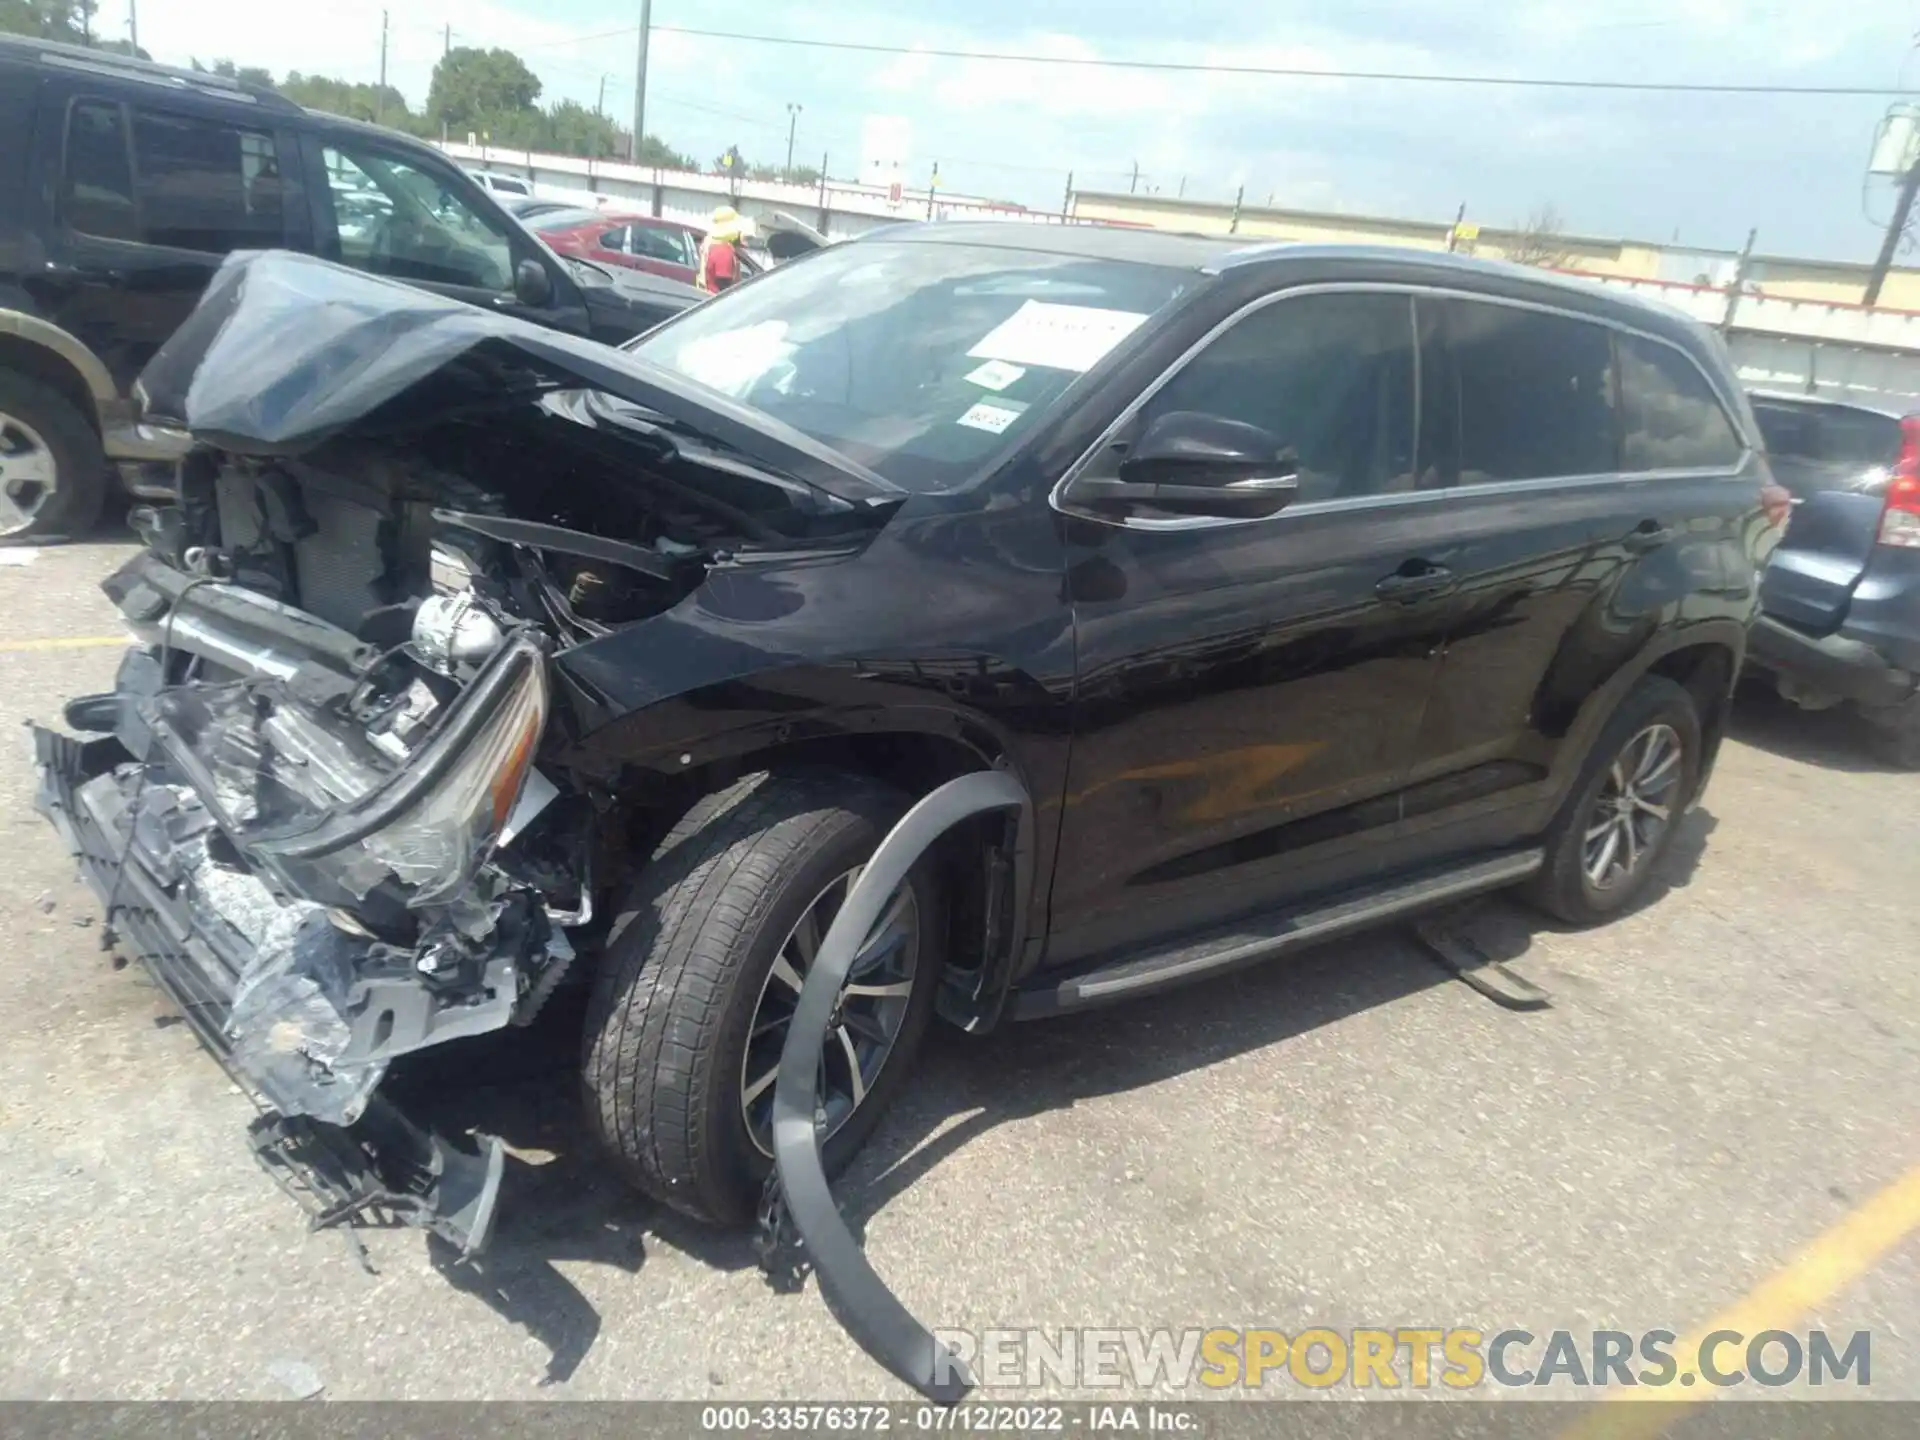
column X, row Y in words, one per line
column 1702, row 169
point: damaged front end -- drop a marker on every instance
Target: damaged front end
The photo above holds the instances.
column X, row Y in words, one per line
column 326, row 802
column 319, row 898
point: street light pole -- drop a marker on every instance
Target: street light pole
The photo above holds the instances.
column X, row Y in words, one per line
column 640, row 83
column 793, row 120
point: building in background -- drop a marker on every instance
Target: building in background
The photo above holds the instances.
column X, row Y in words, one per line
column 1778, row 277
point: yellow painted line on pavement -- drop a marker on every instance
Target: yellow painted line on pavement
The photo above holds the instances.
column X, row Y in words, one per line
column 1825, row 1267
column 63, row 642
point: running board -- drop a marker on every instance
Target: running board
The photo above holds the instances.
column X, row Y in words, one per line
column 1261, row 938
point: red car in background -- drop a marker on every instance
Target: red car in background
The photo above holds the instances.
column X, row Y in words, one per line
column 613, row 237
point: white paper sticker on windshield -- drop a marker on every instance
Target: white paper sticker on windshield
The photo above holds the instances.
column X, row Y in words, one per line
column 1060, row 337
column 995, row 375
column 989, row 417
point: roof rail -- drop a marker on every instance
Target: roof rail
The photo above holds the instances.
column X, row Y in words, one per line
column 129, row 67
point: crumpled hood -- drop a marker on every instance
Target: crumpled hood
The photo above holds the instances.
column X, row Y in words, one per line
column 285, row 352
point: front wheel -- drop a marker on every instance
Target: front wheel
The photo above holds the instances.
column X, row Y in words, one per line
column 703, row 970
column 53, row 477
column 1604, row 846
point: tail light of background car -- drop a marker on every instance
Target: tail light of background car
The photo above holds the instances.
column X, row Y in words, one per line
column 1900, row 520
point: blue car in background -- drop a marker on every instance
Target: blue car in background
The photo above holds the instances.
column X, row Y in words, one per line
column 1841, row 595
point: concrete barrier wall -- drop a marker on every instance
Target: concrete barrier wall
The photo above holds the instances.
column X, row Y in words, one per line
column 835, row 208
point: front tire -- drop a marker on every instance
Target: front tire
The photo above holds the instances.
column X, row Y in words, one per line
column 685, row 1024
column 53, row 475
column 1606, row 843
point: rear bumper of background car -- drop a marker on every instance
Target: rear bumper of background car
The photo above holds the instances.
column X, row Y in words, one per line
column 375, row 1162
column 1836, row 665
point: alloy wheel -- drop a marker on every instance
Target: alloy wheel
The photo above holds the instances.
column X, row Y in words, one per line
column 28, row 474
column 1634, row 808
column 867, row 1017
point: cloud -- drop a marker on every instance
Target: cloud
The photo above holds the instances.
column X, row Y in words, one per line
column 1613, row 163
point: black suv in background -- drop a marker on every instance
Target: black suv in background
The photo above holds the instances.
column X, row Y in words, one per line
column 123, row 184
column 1840, row 621
column 990, row 620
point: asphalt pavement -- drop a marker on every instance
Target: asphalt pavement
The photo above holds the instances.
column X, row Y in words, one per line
column 1348, row 1139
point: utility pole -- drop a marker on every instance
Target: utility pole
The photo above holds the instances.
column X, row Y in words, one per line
column 1233, row 225
column 640, row 83
column 1135, row 180
column 793, row 121
column 133, row 24
column 1183, row 189
column 933, row 184
column 1897, row 227
column 600, row 100
column 446, row 43
column 380, row 95
column 1739, row 280
column 1066, row 200
column 1453, row 234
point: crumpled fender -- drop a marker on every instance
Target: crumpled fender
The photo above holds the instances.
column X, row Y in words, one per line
column 872, row 1315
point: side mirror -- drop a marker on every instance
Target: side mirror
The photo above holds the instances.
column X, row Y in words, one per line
column 532, row 286
column 1190, row 464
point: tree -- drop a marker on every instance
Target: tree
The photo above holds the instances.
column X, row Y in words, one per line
column 473, row 86
column 1538, row 241
column 656, row 152
column 70, row 21
column 249, row 74
column 355, row 101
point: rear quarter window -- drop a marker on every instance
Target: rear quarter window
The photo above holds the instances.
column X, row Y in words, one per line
column 1672, row 420
column 96, row 192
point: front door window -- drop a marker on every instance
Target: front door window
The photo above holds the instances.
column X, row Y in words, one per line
column 393, row 217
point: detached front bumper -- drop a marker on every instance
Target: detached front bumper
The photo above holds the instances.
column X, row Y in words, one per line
column 325, row 1133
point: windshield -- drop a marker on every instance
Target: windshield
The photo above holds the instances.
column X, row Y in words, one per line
column 562, row 219
column 924, row 362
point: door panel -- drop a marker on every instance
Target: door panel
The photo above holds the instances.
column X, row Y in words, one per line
column 1247, row 695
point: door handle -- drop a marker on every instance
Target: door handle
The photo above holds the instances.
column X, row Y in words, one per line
column 1403, row 588
column 87, row 274
column 1647, row 535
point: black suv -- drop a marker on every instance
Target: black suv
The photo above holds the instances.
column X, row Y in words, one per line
column 991, row 620
column 123, row 184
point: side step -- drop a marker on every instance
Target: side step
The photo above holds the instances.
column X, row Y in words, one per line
column 1262, row 937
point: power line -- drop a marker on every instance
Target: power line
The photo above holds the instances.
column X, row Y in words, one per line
column 1534, row 82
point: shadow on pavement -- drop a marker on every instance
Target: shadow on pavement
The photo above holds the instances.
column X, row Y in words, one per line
column 563, row 1202
column 1836, row 739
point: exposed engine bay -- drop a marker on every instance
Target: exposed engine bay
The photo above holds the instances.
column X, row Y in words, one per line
column 323, row 799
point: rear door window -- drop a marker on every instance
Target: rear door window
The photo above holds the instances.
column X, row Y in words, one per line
column 658, row 244
column 1531, row 394
column 203, row 185
column 1673, row 420
column 395, row 217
